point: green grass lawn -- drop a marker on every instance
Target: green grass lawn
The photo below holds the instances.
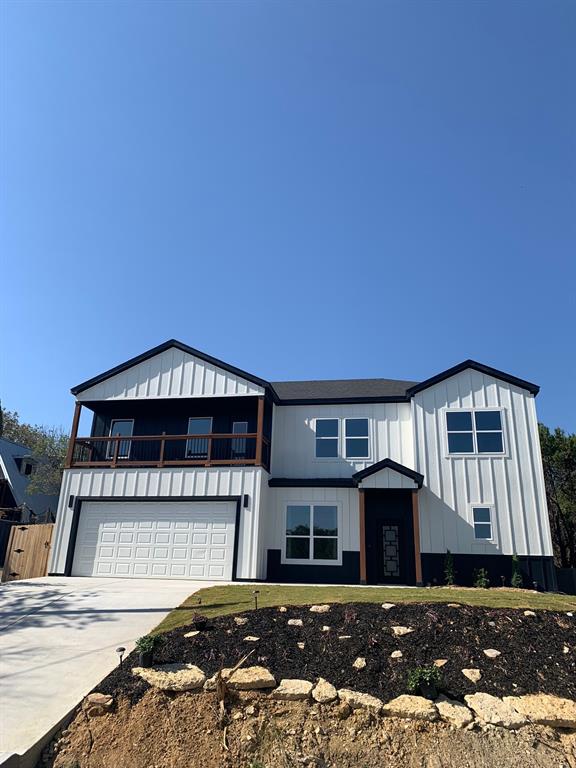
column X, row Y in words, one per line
column 218, row 601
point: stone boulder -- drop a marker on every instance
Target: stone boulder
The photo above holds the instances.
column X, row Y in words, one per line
column 545, row 709
column 359, row 700
column 453, row 712
column 401, row 631
column 250, row 679
column 240, row 621
column 474, row 675
column 492, row 653
column 172, row 677
column 412, row 707
column 388, row 606
column 319, row 608
column 324, row 692
column 193, row 633
column 98, row 704
column 295, row 623
column 292, row 690
column 490, row 709
column 359, row 663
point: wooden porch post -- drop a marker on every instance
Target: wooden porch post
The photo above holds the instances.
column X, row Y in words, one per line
column 416, row 525
column 362, row 505
column 73, row 435
column 259, row 432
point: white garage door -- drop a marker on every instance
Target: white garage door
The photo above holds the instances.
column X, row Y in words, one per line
column 174, row 540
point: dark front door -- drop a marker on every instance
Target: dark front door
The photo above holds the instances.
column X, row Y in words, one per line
column 389, row 538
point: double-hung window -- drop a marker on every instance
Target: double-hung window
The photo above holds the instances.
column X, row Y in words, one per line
column 482, row 519
column 475, row 431
column 312, row 532
column 352, row 442
column 327, row 438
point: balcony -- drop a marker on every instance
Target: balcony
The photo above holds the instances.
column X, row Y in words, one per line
column 171, row 451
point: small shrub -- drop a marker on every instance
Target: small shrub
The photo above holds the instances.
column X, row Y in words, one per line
column 147, row 643
column 516, row 580
column 427, row 676
column 481, row 579
column 449, row 571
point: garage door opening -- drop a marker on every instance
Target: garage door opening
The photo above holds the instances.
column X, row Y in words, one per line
column 173, row 540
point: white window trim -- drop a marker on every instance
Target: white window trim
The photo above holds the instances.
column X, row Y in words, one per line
column 345, row 437
column 337, row 438
column 475, row 453
column 490, row 507
column 311, row 561
column 110, row 446
column 341, row 439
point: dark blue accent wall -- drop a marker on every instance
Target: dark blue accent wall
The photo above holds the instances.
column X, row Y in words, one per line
column 347, row 573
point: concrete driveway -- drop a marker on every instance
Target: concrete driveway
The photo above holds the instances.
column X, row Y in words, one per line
column 57, row 641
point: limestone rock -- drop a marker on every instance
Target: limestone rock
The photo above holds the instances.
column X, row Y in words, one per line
column 301, row 646
column 282, row 609
column 324, row 692
column 453, row 605
column 344, row 637
column 251, row 639
column 440, row 662
column 454, row 712
column 492, row 710
column 396, row 655
column 492, row 653
column 292, row 690
column 193, row 633
column 529, row 613
column 319, row 608
column 545, row 709
column 343, row 710
column 240, row 620
column 325, row 628
column 387, row 606
column 251, row 678
column 401, row 631
column 357, row 700
column 472, row 674
column 172, row 677
column 412, row 707
column 98, row 704
column 565, row 649
column 295, row 623
column 359, row 663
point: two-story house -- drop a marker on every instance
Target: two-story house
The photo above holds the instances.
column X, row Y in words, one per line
column 194, row 469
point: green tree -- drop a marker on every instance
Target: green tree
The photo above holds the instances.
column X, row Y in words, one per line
column 48, row 446
column 559, row 460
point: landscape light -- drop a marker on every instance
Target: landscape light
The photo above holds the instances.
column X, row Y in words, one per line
column 256, row 592
column 121, row 651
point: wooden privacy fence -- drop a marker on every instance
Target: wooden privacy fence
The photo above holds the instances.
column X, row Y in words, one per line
column 28, row 552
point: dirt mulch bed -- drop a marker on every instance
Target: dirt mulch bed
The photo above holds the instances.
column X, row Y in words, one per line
column 181, row 731
column 533, row 657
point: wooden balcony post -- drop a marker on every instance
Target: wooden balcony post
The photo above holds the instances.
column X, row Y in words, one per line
column 116, row 451
column 416, row 524
column 259, row 432
column 162, row 445
column 362, row 507
column 73, row 435
column 209, row 453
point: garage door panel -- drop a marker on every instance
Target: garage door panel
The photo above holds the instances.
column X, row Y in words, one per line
column 181, row 540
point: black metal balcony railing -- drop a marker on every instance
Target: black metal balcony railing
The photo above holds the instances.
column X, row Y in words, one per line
column 171, row 450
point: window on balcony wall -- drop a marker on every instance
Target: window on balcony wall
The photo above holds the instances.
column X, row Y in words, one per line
column 122, row 428
column 474, row 431
column 312, row 533
column 239, row 443
column 197, row 447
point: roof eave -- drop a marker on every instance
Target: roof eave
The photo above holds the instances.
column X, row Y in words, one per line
column 481, row 368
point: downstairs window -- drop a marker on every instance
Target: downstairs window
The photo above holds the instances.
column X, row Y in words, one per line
column 312, row 532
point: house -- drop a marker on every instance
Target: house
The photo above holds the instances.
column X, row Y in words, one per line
column 196, row 469
column 17, row 465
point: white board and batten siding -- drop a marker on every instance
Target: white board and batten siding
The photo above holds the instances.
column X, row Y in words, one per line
column 388, row 478
column 294, row 447
column 173, row 483
column 512, row 484
column 172, row 373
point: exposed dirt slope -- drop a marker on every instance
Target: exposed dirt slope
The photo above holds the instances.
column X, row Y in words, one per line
column 181, row 731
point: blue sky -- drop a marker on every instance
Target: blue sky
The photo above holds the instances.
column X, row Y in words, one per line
column 303, row 189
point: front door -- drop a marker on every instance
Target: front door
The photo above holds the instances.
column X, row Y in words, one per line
column 389, row 539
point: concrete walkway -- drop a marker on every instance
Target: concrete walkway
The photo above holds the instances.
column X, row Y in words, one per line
column 58, row 639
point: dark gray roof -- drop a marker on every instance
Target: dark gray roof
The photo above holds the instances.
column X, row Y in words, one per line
column 342, row 389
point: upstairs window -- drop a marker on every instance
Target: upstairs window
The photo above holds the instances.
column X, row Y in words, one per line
column 327, row 437
column 474, row 431
column 122, row 428
column 482, row 519
column 197, row 447
column 239, row 443
column 356, row 438
column 312, row 532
